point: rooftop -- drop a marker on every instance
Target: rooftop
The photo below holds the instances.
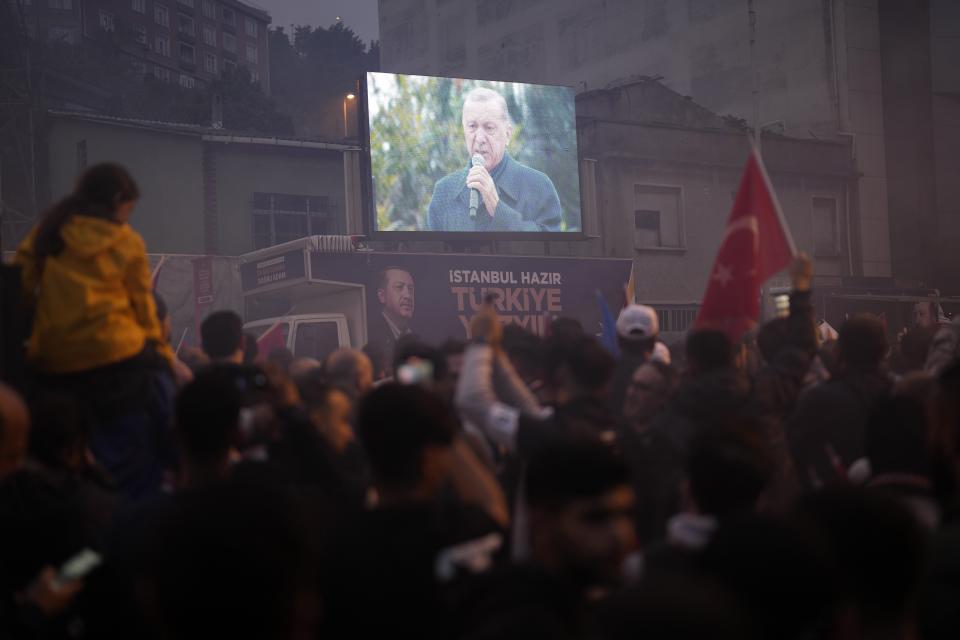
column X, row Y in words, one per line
column 209, row 133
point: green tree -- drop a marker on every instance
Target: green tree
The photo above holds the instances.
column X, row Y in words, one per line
column 313, row 69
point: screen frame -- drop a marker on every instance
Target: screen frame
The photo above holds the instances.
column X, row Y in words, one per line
column 450, row 237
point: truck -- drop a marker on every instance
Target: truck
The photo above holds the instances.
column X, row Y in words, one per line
column 319, row 293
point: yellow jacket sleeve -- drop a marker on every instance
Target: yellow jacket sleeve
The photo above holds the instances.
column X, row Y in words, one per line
column 139, row 286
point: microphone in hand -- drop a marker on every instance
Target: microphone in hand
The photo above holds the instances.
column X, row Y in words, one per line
column 476, row 161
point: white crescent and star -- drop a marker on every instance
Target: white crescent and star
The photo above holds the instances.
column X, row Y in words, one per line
column 723, row 272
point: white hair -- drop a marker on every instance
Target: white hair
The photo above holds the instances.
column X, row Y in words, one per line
column 483, row 94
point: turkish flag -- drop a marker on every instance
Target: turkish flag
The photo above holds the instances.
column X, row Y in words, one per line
column 756, row 245
column 273, row 338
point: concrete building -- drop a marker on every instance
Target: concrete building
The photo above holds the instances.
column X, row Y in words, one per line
column 879, row 75
column 189, row 42
column 209, row 191
column 665, row 171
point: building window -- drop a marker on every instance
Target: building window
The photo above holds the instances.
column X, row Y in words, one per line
column 185, row 25
column 161, row 73
column 106, row 21
column 210, row 63
column 254, row 74
column 208, row 9
column 209, row 35
column 186, row 52
column 826, row 236
column 161, row 15
column 657, row 217
column 229, row 66
column 250, row 26
column 676, row 319
column 252, row 53
column 186, row 3
column 281, row 217
column 140, row 67
column 230, row 42
column 228, row 16
column 140, row 6
column 187, row 82
column 65, row 5
column 162, row 45
column 141, row 35
column 62, row 34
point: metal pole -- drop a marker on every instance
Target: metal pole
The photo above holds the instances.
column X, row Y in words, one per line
column 752, row 14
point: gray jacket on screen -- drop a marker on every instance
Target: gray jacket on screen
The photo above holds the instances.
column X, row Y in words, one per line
column 528, row 202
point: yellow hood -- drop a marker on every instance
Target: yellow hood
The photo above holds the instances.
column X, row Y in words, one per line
column 85, row 236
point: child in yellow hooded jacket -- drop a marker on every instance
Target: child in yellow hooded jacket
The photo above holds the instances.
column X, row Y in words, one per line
column 86, row 273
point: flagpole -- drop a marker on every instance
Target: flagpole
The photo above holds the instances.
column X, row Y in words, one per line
column 752, row 14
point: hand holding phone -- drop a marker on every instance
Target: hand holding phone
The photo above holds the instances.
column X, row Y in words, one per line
column 77, row 567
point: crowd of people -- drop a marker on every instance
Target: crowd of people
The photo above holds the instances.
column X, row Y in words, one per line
column 512, row 486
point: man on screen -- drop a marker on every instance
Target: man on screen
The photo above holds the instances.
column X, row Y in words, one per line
column 395, row 291
column 512, row 196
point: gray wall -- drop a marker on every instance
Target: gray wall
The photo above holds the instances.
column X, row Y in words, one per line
column 166, row 166
column 660, row 156
column 245, row 169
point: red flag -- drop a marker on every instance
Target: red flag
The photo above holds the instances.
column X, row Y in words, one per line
column 273, row 338
column 755, row 246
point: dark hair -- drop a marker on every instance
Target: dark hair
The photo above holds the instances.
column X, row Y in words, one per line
column 221, row 334
column 862, row 343
column 208, row 413
column 161, row 306
column 668, row 606
column 382, row 278
column 59, row 426
column 314, row 390
column 772, row 337
column 709, row 350
column 749, row 558
column 252, row 545
column 896, row 437
column 728, row 470
column 590, row 364
column 396, row 423
column 566, row 328
column 564, row 471
column 525, row 350
column 877, row 546
column 97, row 193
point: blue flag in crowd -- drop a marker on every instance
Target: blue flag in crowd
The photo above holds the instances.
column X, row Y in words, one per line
column 608, row 325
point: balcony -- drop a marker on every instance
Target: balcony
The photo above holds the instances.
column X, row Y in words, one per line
column 186, row 36
column 187, row 65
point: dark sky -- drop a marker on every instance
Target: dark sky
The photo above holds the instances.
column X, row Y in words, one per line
column 361, row 15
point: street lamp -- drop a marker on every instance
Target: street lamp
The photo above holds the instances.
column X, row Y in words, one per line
column 348, row 98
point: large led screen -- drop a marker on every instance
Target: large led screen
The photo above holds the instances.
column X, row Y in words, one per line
column 451, row 155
